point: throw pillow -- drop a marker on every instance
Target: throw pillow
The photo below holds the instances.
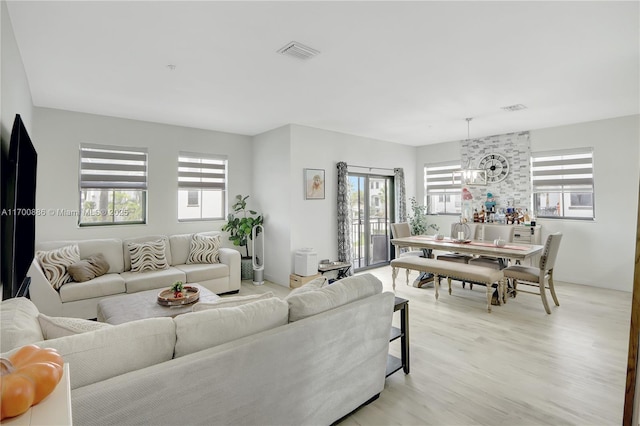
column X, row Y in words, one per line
column 204, row 249
column 230, row 302
column 148, row 256
column 54, row 263
column 54, row 327
column 313, row 285
column 89, row 268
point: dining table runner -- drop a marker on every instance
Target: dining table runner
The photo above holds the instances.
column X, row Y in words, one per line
column 473, row 243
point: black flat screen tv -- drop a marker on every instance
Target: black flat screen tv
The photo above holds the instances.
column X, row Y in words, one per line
column 18, row 212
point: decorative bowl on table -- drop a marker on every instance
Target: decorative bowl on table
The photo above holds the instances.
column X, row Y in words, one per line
column 189, row 294
column 461, row 241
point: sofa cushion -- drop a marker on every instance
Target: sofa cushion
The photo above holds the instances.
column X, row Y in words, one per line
column 19, row 324
column 149, row 256
column 146, row 239
column 339, row 293
column 204, row 272
column 89, row 268
column 115, row 350
column 54, row 327
column 204, row 249
column 111, row 248
column 230, row 302
column 200, row 330
column 180, row 244
column 55, row 262
column 105, row 285
column 149, row 280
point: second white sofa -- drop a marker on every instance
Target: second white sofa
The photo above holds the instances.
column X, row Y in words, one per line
column 80, row 299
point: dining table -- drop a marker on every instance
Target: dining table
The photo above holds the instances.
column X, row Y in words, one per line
column 517, row 252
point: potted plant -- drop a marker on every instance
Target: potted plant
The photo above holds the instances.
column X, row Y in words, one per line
column 239, row 224
column 418, row 220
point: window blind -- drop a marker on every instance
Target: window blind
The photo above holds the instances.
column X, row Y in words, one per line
column 113, row 167
column 201, row 171
column 567, row 171
column 442, row 178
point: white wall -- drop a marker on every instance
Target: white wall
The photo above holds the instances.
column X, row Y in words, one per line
column 272, row 188
column 314, row 222
column 280, row 157
column 598, row 253
column 58, row 135
column 15, row 94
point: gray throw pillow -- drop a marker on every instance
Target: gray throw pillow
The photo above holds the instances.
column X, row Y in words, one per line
column 89, row 268
column 54, row 327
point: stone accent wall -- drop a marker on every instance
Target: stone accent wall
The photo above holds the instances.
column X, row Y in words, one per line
column 515, row 189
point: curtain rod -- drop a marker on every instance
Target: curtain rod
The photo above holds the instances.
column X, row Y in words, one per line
column 370, row 168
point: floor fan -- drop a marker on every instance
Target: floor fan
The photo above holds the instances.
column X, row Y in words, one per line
column 257, row 238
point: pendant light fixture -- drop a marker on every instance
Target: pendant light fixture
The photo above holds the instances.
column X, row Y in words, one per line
column 473, row 176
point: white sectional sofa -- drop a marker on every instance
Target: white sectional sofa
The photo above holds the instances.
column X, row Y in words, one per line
column 309, row 359
column 80, row 299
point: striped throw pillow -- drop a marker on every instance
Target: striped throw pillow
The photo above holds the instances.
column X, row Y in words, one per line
column 204, row 249
column 149, row 256
column 54, row 263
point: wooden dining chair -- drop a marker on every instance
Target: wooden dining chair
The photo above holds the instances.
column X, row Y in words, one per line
column 491, row 233
column 540, row 277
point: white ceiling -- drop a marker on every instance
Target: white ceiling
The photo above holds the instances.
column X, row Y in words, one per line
column 407, row 72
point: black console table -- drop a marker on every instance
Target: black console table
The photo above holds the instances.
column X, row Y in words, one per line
column 342, row 269
column 394, row 363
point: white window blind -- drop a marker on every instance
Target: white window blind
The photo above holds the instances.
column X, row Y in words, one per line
column 442, row 178
column 201, row 171
column 563, row 171
column 111, row 167
column 442, row 183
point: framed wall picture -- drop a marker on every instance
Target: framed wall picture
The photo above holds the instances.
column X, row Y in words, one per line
column 314, row 184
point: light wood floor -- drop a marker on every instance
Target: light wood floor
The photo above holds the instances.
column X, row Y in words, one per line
column 514, row 366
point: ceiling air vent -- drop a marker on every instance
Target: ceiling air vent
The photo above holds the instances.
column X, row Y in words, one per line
column 512, row 108
column 298, row 50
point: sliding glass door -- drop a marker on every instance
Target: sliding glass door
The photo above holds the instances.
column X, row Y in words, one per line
column 371, row 210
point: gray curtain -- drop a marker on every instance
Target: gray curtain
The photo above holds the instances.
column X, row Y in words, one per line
column 401, row 196
column 344, row 219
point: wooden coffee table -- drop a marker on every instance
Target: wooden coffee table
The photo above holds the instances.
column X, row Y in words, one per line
column 144, row 304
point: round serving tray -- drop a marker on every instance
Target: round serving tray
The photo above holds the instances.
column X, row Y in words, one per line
column 189, row 295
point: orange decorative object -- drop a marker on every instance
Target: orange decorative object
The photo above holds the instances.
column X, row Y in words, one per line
column 27, row 377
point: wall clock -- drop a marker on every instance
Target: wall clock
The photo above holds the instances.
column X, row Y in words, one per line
column 496, row 166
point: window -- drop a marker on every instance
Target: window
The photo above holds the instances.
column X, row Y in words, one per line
column 563, row 184
column 202, row 191
column 113, row 185
column 193, row 198
column 442, row 188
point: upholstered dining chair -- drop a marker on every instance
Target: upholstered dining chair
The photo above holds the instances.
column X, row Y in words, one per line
column 459, row 257
column 403, row 230
column 491, row 233
column 542, row 276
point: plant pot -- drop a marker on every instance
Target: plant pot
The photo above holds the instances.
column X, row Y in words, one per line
column 246, row 268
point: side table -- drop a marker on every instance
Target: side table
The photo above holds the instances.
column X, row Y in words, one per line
column 54, row 410
column 394, row 363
